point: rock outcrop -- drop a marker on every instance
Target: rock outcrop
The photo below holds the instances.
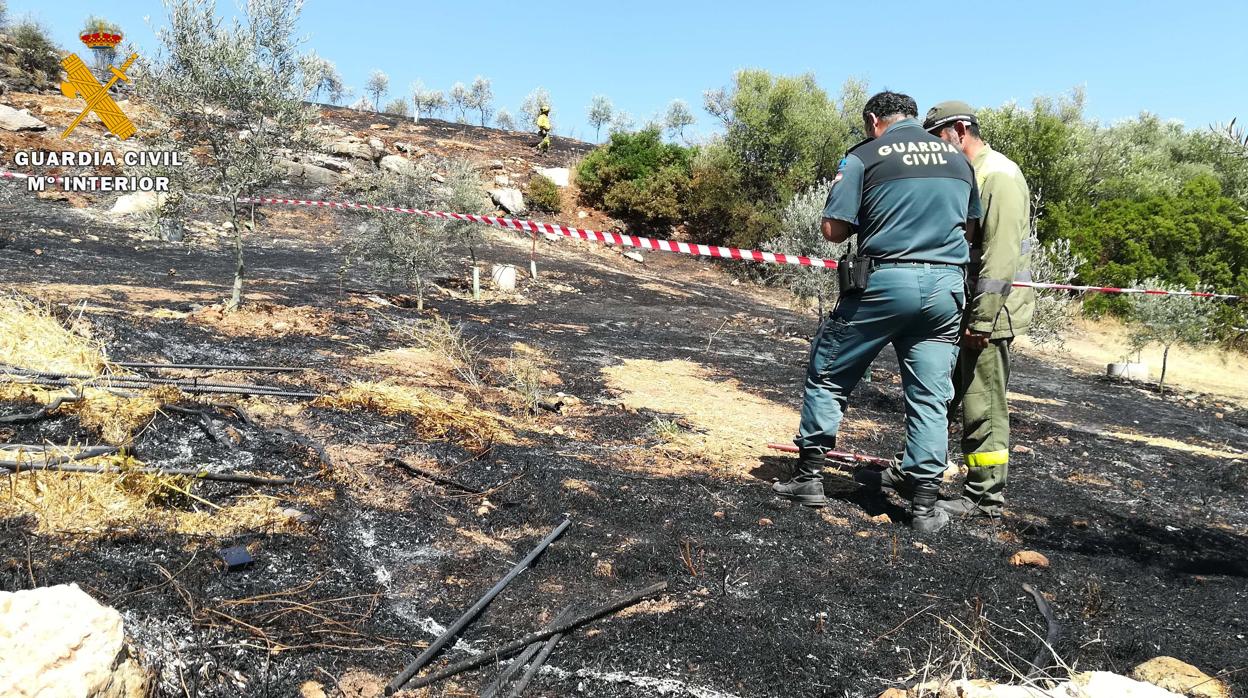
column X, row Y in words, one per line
column 61, row 643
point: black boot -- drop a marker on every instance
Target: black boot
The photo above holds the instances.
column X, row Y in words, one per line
column 926, row 516
column 890, row 478
column 806, row 487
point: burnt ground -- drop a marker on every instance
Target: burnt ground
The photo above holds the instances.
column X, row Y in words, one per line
column 1148, row 543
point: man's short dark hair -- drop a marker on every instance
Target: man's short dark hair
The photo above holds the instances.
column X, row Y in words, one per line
column 886, row 104
column 971, row 128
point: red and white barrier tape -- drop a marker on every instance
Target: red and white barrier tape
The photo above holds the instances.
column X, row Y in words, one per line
column 579, row 233
column 694, row 249
column 681, row 247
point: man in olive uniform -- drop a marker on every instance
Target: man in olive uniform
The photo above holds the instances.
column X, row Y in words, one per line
column 909, row 197
column 997, row 313
column 543, row 128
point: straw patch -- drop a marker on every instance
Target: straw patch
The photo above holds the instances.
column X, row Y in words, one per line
column 31, row 337
column 433, row 417
column 733, row 434
column 96, row 503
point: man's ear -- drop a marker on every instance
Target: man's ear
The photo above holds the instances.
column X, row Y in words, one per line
column 960, row 127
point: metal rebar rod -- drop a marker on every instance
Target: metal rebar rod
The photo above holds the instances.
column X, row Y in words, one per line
column 186, row 387
column 64, row 467
column 144, row 380
column 209, row 367
column 518, row 688
column 468, row 616
column 519, row 645
column 521, row 661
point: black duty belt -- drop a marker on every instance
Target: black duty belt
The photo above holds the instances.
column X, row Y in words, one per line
column 876, row 264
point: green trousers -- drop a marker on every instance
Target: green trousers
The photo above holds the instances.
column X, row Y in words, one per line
column 917, row 309
column 980, row 382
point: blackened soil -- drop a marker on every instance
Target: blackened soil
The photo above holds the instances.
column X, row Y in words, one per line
column 1148, row 545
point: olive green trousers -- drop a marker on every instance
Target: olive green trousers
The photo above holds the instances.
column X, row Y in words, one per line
column 981, row 379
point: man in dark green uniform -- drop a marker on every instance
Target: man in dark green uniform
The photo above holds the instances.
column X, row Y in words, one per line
column 997, row 312
column 909, row 197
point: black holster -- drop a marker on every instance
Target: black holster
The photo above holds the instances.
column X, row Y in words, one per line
column 853, row 272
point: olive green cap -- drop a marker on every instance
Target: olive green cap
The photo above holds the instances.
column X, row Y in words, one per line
column 947, row 113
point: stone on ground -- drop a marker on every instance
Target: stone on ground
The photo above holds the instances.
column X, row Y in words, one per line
column 1180, row 677
column 399, row 165
column 138, row 202
column 311, row 174
column 1029, row 558
column 61, row 643
column 558, row 175
column 19, row 120
column 509, row 199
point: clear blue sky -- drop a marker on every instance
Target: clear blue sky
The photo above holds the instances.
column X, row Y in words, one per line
column 1182, row 60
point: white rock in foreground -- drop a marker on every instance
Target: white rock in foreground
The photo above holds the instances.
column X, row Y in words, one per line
column 138, row 202
column 19, row 120
column 61, row 643
column 1090, row 684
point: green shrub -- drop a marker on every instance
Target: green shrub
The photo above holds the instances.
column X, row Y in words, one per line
column 543, row 194
column 35, row 49
column 638, row 177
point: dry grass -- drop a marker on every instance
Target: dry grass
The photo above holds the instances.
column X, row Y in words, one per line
column 434, row 417
column 1094, row 343
column 733, row 435
column 448, row 341
column 94, row 504
column 32, row 337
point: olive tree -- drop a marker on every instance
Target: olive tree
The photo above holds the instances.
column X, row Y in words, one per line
column 410, row 250
column 505, row 121
column 459, row 102
column 1169, row 320
column 678, row 116
column 1053, row 263
column 321, row 75
column 377, row 86
column 600, row 112
column 426, row 102
column 800, row 235
column 398, row 107
column 232, row 94
column 481, row 98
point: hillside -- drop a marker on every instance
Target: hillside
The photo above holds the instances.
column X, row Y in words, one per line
column 635, row 398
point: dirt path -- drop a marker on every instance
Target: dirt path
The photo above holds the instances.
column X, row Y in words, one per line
column 1147, row 536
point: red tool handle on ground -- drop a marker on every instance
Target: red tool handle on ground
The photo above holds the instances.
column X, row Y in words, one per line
column 839, row 455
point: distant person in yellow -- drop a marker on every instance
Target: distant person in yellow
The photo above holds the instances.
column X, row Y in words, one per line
column 543, row 128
